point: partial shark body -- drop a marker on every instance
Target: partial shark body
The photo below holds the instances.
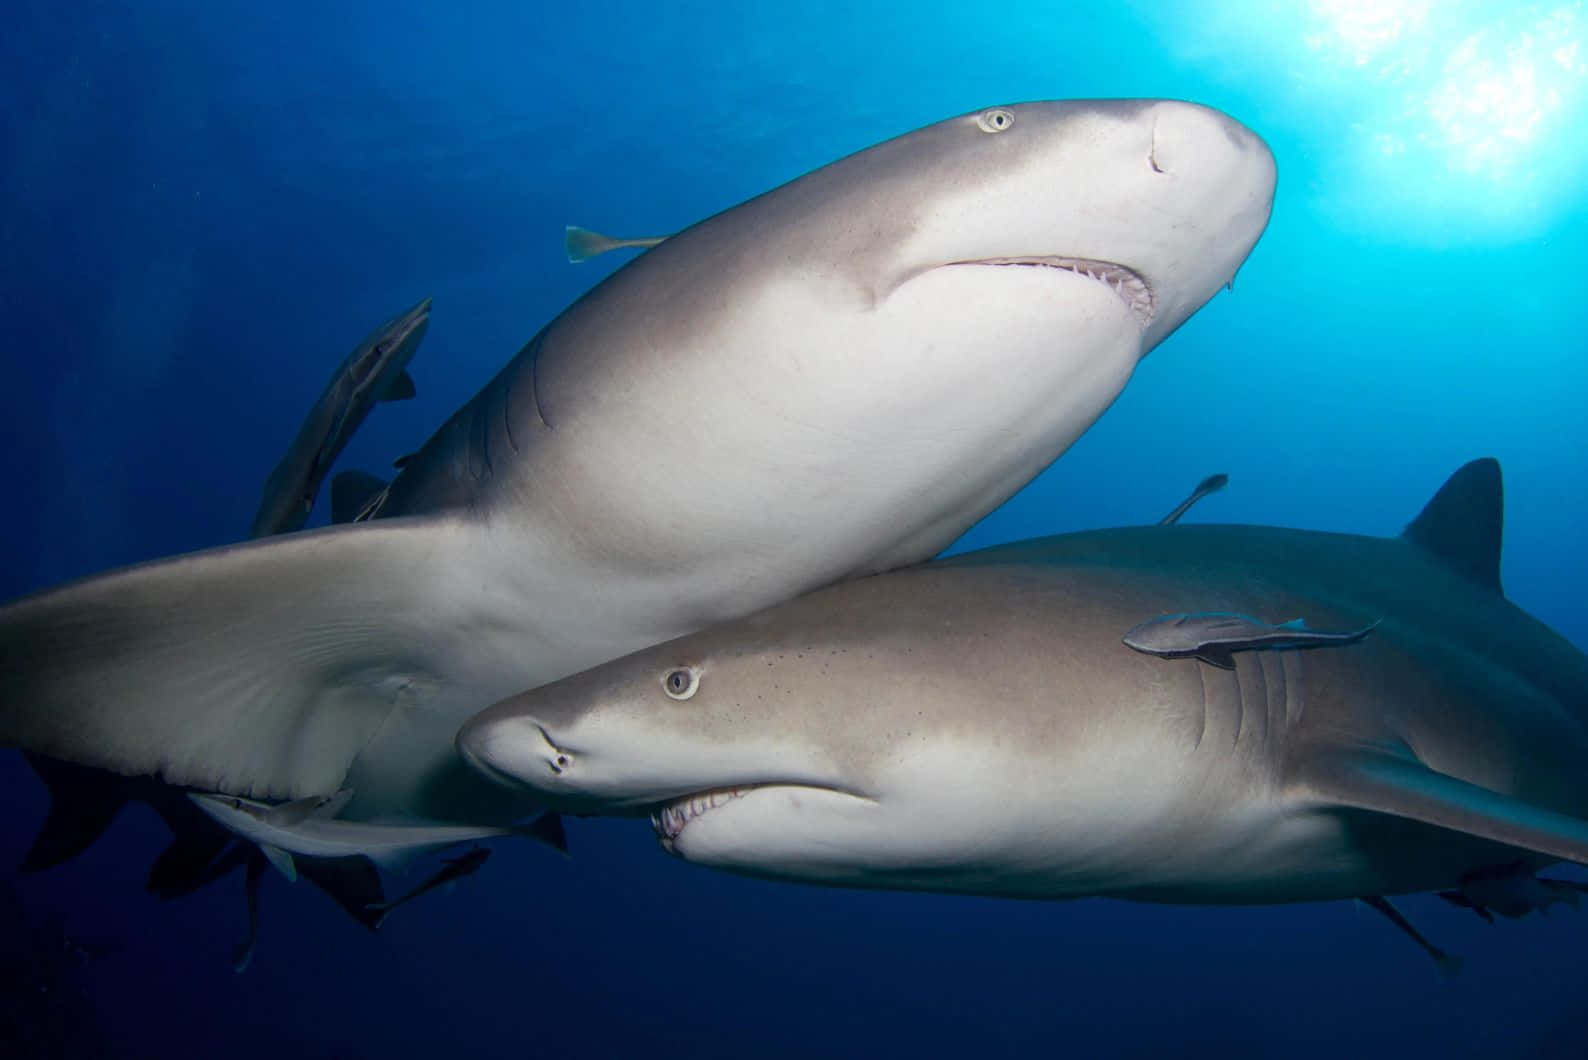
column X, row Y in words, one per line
column 376, row 370
column 975, row 725
column 307, row 831
column 833, row 379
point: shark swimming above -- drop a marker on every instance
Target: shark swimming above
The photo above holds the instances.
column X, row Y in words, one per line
column 976, row 725
column 376, row 370
column 835, row 378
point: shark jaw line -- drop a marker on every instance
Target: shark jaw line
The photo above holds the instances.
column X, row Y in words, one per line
column 675, row 816
column 1125, row 282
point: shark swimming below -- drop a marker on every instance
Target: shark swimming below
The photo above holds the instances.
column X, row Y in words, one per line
column 976, row 725
column 835, row 378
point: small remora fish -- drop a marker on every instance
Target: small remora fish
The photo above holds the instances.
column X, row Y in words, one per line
column 1211, row 484
column 1215, row 636
column 581, row 244
column 454, row 869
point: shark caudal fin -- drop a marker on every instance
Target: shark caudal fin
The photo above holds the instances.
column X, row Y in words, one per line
column 260, row 668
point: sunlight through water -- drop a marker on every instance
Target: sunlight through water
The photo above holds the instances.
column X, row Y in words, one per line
column 1438, row 111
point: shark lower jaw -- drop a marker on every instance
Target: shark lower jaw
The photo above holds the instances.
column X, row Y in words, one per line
column 674, row 818
column 671, row 820
column 1127, row 284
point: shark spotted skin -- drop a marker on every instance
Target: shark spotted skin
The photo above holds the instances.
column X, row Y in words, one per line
column 975, row 725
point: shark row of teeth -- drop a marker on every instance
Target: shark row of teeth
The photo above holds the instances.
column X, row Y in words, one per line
column 670, row 820
column 1131, row 288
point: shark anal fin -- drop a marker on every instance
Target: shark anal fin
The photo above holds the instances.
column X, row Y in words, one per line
column 1402, row 787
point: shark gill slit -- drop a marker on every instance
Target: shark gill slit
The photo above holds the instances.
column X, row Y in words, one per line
column 1202, row 727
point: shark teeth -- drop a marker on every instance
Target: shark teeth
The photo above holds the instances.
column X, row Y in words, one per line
column 1130, row 287
column 670, row 820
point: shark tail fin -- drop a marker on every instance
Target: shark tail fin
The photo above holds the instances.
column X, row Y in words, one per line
column 261, row 668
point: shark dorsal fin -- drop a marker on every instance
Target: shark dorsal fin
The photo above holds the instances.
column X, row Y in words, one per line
column 1461, row 526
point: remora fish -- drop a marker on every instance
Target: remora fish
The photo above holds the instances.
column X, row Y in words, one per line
column 581, row 244
column 454, row 869
column 1211, row 484
column 975, row 725
column 835, row 378
column 1214, row 637
column 376, row 370
column 309, row 827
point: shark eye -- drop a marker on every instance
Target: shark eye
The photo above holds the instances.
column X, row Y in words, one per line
column 681, row 683
column 995, row 120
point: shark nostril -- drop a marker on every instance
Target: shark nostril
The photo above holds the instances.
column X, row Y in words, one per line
column 558, row 760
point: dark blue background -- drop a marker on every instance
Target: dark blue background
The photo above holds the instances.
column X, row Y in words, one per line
column 203, row 206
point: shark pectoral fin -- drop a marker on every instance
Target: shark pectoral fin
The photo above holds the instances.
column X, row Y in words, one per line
column 401, row 388
column 83, row 803
column 193, row 860
column 351, row 492
column 353, row 883
column 263, row 667
column 281, row 860
column 1403, row 787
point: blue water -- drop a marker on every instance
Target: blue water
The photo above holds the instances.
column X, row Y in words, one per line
column 202, row 206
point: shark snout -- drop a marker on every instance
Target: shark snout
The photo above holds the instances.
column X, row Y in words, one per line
column 515, row 751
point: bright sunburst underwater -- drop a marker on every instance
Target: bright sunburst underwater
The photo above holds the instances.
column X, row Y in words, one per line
column 1451, row 114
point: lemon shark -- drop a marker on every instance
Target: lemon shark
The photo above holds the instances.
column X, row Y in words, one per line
column 977, row 725
column 835, row 378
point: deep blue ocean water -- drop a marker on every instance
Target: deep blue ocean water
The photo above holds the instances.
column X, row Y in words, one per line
column 202, row 207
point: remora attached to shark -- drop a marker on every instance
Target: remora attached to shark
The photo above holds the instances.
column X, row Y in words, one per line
column 376, row 370
column 835, row 378
column 976, row 725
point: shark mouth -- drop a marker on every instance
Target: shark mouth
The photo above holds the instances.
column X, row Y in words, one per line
column 671, row 820
column 1124, row 282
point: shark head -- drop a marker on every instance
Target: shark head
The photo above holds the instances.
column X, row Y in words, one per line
column 843, row 738
column 1158, row 202
column 920, row 327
